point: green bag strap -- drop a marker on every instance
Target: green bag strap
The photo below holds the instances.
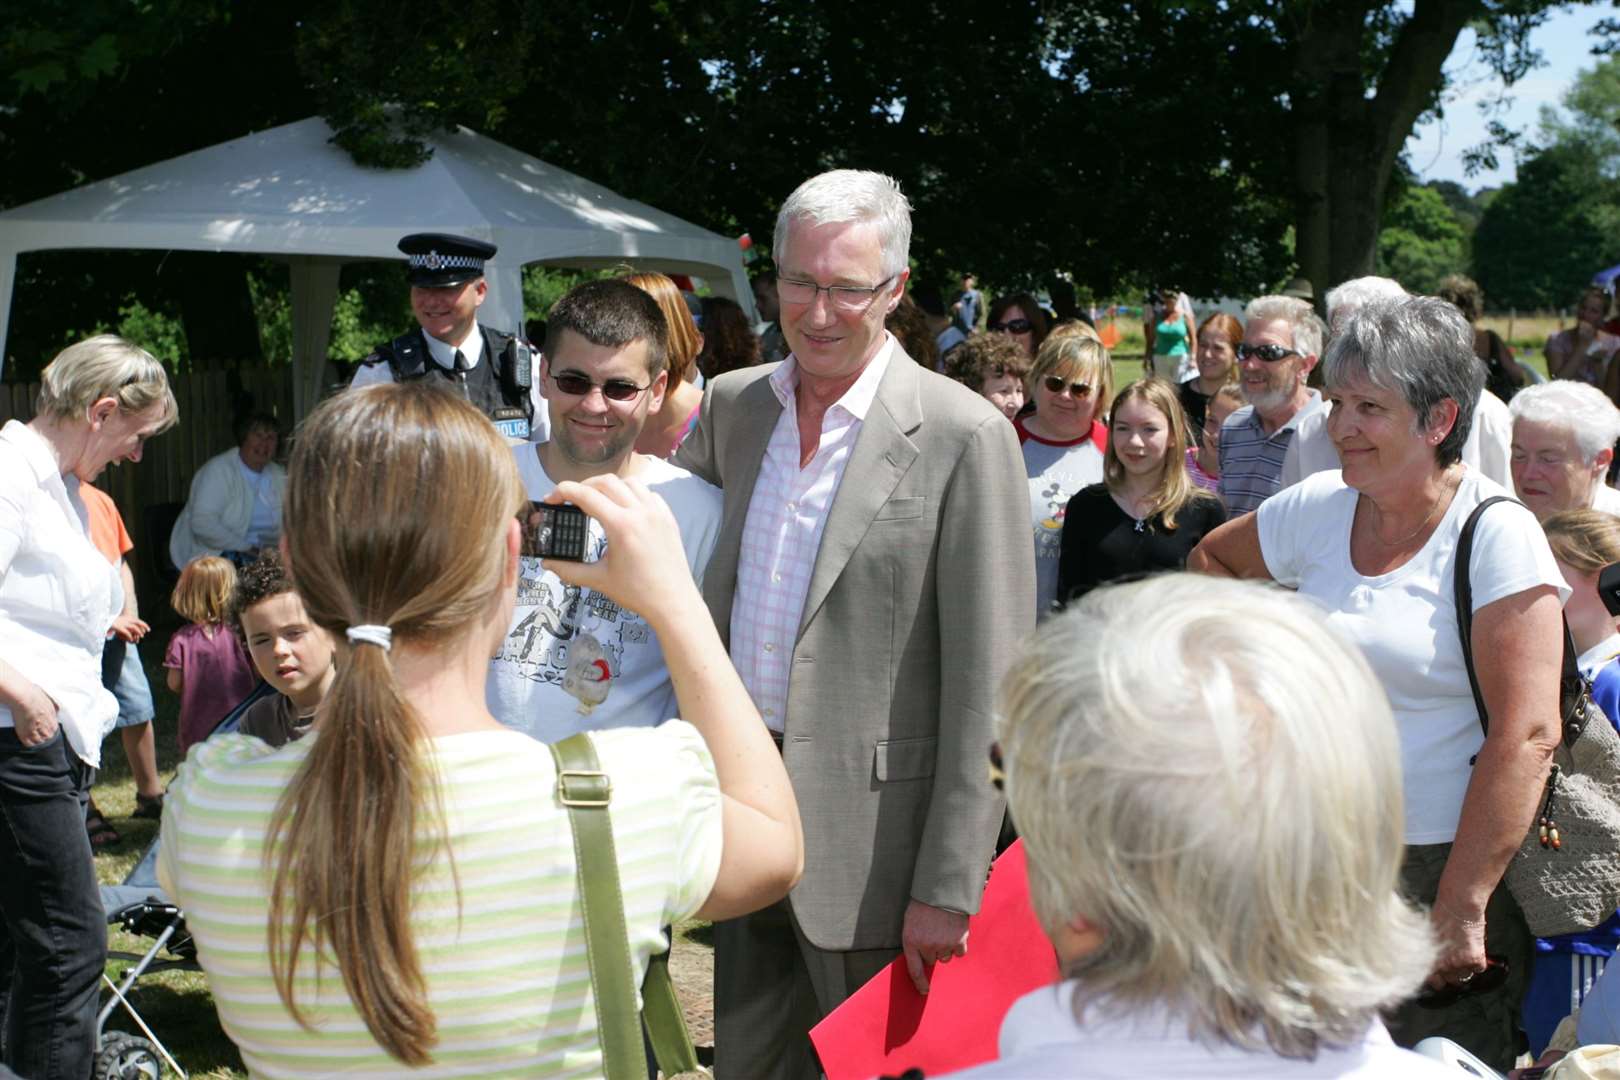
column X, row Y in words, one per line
column 586, row 790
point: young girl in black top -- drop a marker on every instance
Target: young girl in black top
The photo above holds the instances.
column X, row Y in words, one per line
column 1147, row 515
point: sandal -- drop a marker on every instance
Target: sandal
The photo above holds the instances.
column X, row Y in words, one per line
column 148, row 806
column 102, row 834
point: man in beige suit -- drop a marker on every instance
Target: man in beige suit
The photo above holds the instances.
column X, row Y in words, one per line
column 872, row 577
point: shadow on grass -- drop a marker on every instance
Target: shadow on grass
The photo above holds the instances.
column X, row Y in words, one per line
column 180, row 1011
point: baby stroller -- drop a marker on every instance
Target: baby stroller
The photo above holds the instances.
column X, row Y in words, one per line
column 140, row 907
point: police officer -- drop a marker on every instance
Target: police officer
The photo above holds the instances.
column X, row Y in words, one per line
column 495, row 371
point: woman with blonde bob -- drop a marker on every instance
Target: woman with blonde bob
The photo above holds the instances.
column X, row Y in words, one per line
column 1213, row 849
column 1147, row 514
column 99, row 401
column 667, row 428
column 1071, row 385
column 398, row 890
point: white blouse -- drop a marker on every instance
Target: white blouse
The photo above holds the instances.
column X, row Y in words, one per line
column 58, row 594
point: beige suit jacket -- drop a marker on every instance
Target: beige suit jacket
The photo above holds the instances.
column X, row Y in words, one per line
column 923, row 587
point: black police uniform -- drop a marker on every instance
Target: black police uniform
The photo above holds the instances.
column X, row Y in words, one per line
column 499, row 384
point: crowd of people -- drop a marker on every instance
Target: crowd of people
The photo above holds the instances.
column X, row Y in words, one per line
column 829, row 561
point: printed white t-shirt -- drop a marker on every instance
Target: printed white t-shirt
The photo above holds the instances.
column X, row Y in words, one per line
column 563, row 640
column 1405, row 621
column 1056, row 470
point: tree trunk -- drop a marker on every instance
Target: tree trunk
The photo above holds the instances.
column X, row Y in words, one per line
column 1345, row 142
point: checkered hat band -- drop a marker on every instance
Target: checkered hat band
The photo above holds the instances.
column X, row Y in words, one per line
column 434, row 261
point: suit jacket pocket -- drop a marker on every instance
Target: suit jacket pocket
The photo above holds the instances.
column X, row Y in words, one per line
column 904, row 759
column 911, row 506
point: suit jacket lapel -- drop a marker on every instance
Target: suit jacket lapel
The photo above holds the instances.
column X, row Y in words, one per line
column 754, row 414
column 883, row 453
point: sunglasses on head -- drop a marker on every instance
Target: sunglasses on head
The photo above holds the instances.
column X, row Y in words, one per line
column 1013, row 326
column 1269, row 353
column 574, row 384
column 1055, row 385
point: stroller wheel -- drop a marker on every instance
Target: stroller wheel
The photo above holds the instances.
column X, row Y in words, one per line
column 127, row 1057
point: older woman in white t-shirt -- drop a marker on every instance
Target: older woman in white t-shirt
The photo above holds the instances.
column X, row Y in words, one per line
column 1376, row 545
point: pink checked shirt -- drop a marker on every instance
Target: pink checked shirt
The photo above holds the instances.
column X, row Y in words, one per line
column 780, row 538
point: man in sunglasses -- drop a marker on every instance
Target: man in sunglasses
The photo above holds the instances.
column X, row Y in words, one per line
column 873, row 579
column 574, row 660
column 1282, row 337
column 494, row 371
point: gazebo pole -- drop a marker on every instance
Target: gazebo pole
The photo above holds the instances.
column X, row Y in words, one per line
column 314, row 295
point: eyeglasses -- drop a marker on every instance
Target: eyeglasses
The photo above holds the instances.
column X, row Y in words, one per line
column 1055, row 385
column 843, row 297
column 574, row 384
column 1013, row 326
column 1269, row 353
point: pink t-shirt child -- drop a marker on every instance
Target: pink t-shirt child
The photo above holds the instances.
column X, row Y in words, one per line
column 215, row 673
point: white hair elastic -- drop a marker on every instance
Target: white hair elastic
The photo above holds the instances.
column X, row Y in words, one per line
column 380, row 636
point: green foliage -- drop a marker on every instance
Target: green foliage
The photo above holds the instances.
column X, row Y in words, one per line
column 1422, row 240
column 164, row 336
column 1542, row 237
column 1593, row 115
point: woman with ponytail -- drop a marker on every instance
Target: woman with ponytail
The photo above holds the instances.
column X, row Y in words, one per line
column 398, row 890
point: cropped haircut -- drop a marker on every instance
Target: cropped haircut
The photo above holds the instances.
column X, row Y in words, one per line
column 1026, row 303
column 611, row 314
column 255, row 421
column 1465, row 293
column 203, row 593
column 1075, row 353
column 846, row 195
column 1420, row 347
column 1586, row 541
column 105, row 366
column 261, row 579
column 1178, row 764
column 1174, row 489
column 1346, row 297
column 684, row 339
column 1307, row 328
column 984, row 356
column 1581, row 409
column 728, row 338
column 342, row 852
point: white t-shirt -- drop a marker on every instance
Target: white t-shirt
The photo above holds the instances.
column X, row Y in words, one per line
column 1405, row 621
column 1055, row 471
column 1041, row 1038
column 563, row 639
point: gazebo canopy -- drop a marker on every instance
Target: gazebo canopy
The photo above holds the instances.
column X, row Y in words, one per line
column 289, row 193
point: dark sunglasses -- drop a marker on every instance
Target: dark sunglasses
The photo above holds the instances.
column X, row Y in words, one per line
column 574, row 384
column 998, row 775
column 1481, row 982
column 1055, row 385
column 1016, row 326
column 1269, row 353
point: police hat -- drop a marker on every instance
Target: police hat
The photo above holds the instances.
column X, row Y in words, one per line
column 438, row 259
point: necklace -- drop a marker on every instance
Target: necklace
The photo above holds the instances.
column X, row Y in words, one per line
column 1438, row 499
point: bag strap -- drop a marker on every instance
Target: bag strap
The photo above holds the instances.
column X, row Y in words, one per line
column 1569, row 678
column 586, row 791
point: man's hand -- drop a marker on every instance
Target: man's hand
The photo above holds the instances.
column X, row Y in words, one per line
column 35, row 717
column 931, row 934
column 129, row 628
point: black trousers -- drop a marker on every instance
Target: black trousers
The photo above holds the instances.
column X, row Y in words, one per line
column 53, row 931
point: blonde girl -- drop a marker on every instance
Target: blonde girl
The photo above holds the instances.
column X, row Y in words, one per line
column 206, row 663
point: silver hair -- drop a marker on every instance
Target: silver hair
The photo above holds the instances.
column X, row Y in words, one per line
column 1303, row 322
column 1584, row 411
column 105, row 366
column 1346, row 298
column 1236, row 842
column 852, row 195
column 1421, row 347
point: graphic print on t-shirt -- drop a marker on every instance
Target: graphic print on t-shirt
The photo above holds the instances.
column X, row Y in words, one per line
column 570, row 637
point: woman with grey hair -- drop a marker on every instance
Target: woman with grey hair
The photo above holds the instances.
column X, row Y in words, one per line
column 99, row 401
column 1212, row 848
column 1564, row 433
column 1376, row 544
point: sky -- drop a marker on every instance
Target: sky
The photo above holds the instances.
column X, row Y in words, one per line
column 1435, row 149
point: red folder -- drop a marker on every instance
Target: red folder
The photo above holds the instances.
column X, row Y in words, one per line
column 887, row 1027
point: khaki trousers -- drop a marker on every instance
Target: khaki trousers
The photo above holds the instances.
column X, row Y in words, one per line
column 771, row 986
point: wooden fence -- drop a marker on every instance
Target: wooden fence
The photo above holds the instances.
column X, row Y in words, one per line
column 209, row 402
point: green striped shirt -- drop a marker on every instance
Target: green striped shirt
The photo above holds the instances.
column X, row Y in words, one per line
column 507, row 973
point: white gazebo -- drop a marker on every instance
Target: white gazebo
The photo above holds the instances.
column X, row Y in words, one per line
column 290, row 194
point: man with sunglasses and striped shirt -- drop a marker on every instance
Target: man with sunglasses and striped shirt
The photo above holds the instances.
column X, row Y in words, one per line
column 1282, row 338
column 573, row 660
